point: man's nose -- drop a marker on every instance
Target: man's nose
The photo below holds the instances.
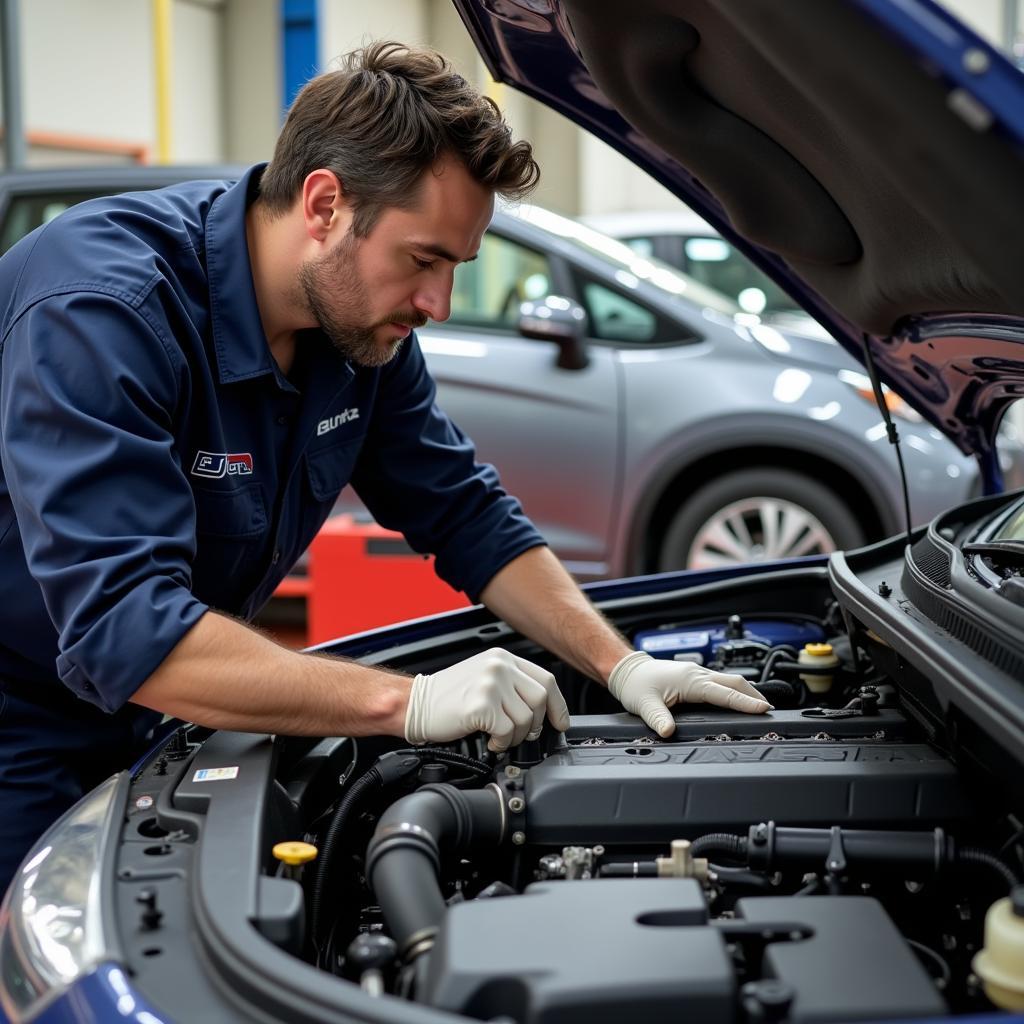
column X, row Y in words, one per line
column 434, row 299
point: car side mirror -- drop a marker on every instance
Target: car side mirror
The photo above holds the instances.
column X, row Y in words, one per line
column 558, row 319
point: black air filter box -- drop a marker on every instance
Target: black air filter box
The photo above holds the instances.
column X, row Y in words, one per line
column 584, row 952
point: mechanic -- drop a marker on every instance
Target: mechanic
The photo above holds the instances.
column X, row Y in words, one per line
column 189, row 378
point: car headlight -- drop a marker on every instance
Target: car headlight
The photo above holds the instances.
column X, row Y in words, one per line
column 51, row 924
column 861, row 383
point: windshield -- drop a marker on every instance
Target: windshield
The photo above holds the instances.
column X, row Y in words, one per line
column 1013, row 528
column 641, row 268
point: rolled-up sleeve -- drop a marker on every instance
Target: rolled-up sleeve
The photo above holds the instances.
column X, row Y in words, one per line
column 88, row 395
column 418, row 474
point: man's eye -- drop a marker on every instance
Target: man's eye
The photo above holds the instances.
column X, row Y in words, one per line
column 423, row 264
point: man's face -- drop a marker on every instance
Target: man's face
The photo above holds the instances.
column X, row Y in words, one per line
column 368, row 293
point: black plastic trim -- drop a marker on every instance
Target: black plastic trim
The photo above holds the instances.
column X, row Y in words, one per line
column 991, row 699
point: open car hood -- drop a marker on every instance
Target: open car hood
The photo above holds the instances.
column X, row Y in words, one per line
column 865, row 153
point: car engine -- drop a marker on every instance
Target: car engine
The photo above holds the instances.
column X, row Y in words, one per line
column 825, row 861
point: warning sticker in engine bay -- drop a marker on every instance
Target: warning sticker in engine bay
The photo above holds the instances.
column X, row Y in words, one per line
column 215, row 774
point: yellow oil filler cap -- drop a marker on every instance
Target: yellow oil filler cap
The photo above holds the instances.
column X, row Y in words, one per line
column 1000, row 964
column 295, row 854
column 818, row 656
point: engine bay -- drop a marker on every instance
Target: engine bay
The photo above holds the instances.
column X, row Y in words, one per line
column 833, row 859
column 825, row 861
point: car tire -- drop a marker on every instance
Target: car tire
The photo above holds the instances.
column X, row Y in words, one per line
column 757, row 515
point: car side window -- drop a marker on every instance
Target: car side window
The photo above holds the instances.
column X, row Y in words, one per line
column 27, row 212
column 488, row 291
column 614, row 317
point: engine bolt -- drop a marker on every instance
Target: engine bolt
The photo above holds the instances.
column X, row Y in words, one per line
column 518, row 838
column 516, row 804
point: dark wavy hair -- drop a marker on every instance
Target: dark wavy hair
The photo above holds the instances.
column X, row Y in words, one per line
column 381, row 120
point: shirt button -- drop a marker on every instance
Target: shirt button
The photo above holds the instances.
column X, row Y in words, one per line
column 276, row 557
column 282, row 421
column 87, row 687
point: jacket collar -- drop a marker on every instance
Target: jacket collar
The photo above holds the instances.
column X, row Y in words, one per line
column 238, row 339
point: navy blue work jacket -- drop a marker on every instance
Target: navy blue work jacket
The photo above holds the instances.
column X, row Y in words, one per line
column 157, row 463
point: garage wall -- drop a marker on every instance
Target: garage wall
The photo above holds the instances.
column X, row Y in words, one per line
column 71, row 86
column 984, row 16
column 88, row 80
column 251, row 65
column 197, row 91
column 342, row 28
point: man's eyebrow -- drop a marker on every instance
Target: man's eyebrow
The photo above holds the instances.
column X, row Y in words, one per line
column 438, row 250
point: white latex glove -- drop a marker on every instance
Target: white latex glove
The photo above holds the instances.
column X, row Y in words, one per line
column 648, row 687
column 493, row 692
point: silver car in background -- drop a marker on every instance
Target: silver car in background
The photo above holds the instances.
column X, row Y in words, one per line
column 665, row 428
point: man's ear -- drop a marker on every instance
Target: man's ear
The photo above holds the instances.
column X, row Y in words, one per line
column 324, row 205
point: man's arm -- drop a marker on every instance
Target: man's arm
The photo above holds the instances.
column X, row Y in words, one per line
column 224, row 675
column 535, row 595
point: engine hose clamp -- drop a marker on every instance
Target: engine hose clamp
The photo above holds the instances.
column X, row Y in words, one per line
column 406, row 828
column 498, row 792
column 404, row 833
column 418, row 943
column 945, row 851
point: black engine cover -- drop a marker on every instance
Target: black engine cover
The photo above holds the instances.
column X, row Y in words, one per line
column 632, row 793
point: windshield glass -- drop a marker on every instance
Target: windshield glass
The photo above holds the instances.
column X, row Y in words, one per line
column 643, row 268
column 1013, row 528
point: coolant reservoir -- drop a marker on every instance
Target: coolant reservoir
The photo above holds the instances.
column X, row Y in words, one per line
column 818, row 656
column 1000, row 964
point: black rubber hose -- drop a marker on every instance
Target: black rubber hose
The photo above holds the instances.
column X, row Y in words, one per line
column 369, row 780
column 389, row 767
column 403, row 860
column 452, row 757
column 778, row 692
column 727, row 875
column 982, row 858
column 409, row 894
column 806, row 670
column 720, row 842
column 776, row 655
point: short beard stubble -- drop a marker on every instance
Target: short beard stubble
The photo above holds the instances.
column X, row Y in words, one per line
column 340, row 309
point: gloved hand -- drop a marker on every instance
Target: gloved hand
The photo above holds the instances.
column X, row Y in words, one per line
column 648, row 687
column 496, row 692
